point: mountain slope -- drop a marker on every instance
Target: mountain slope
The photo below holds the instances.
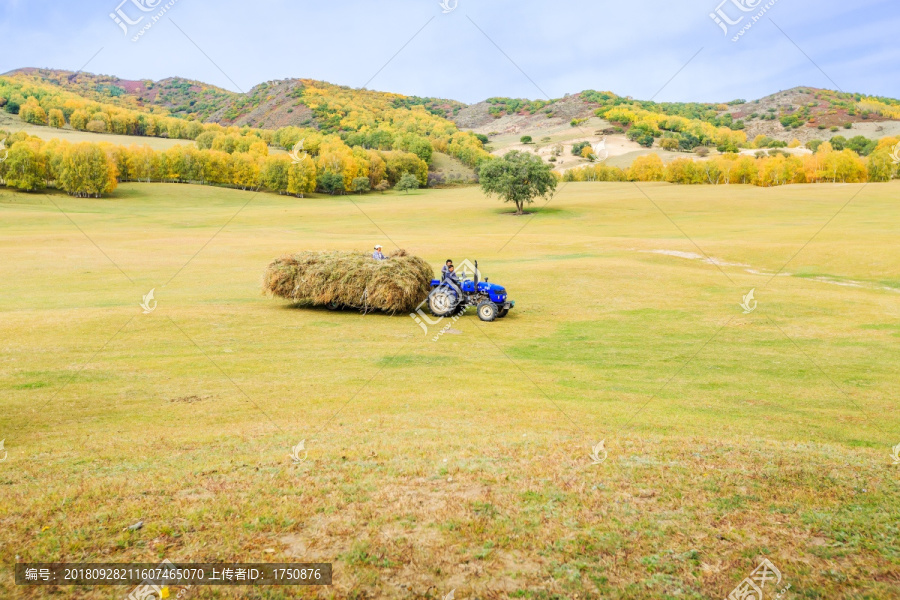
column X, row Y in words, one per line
column 558, row 128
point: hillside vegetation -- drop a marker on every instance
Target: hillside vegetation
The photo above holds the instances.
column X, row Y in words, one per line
column 177, row 108
column 297, row 136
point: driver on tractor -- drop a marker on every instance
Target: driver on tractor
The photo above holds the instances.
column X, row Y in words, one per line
column 450, row 276
column 446, row 269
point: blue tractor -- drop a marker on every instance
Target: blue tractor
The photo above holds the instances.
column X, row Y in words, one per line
column 452, row 297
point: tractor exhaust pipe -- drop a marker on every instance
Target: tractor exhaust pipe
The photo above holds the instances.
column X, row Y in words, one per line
column 476, row 275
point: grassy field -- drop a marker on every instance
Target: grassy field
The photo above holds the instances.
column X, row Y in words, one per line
column 463, row 463
column 14, row 124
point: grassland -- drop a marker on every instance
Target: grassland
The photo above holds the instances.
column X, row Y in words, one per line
column 14, row 124
column 461, row 464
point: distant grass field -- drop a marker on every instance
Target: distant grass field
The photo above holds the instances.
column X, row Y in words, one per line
column 451, row 168
column 13, row 124
column 461, row 464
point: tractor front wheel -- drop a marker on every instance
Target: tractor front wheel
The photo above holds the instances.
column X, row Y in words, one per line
column 503, row 313
column 487, row 311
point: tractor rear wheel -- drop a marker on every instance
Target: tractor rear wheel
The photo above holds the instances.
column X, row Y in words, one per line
column 442, row 302
column 487, row 311
column 333, row 305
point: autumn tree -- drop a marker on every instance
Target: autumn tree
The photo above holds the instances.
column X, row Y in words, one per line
column 79, row 120
column 57, row 118
column 302, row 177
column 647, row 168
column 245, row 171
column 32, row 112
column 87, row 171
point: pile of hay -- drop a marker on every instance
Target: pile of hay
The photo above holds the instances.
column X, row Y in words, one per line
column 354, row 279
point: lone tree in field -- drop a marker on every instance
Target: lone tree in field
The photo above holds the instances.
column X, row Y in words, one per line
column 518, row 177
column 406, row 183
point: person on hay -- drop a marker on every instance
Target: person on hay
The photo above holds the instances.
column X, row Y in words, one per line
column 378, row 255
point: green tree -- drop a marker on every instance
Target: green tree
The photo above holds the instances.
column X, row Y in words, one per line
column 525, row 139
column 26, row 167
column 518, row 177
column 205, row 140
column 397, row 163
column 407, row 182
column 881, row 166
column 578, row 147
column 360, row 184
column 416, row 144
column 814, row 145
column 274, row 172
column 330, row 182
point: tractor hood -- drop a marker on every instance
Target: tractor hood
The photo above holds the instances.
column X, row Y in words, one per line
column 491, row 288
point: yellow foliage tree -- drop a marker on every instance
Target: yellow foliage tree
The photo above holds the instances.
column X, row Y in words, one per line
column 647, row 168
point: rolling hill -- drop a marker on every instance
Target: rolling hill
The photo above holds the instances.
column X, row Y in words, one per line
column 631, row 127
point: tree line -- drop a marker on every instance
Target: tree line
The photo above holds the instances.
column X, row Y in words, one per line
column 825, row 165
column 94, row 169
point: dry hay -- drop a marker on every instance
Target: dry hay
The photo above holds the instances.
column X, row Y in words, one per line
column 355, row 279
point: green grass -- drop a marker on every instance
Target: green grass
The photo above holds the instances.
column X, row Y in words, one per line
column 463, row 463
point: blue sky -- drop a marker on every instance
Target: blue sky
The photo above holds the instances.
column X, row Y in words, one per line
column 482, row 48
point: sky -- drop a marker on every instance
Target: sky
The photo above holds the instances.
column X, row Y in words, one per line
column 471, row 50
